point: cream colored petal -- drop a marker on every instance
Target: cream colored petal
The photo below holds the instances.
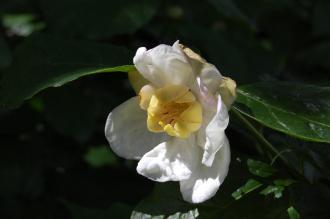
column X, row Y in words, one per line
column 227, row 90
column 211, row 78
column 169, row 93
column 145, row 95
column 164, row 65
column 127, row 132
column 205, row 181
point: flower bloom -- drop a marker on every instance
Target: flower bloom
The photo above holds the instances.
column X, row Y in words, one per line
column 176, row 125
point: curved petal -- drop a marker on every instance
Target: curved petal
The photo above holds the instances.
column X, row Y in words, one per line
column 127, row 132
column 210, row 77
column 164, row 65
column 215, row 133
column 205, row 181
column 173, row 160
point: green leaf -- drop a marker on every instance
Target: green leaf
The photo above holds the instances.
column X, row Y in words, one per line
column 260, row 168
column 298, row 110
column 276, row 190
column 284, row 182
column 43, row 61
column 97, row 20
column 249, row 186
column 100, row 156
column 5, row 53
column 293, row 213
column 22, row 24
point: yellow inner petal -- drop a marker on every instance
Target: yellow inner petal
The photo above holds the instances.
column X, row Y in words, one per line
column 172, row 109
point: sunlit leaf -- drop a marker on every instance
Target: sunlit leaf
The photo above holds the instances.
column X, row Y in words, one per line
column 298, row 110
column 293, row 213
column 260, row 168
column 276, row 190
column 249, row 186
column 22, row 24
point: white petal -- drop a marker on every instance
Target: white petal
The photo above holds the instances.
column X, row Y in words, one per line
column 173, row 160
column 205, row 181
column 210, row 77
column 214, row 137
column 127, row 132
column 164, row 65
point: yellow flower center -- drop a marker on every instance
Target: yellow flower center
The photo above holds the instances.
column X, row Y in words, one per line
column 172, row 109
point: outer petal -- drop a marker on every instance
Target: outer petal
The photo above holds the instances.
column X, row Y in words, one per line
column 205, row 181
column 127, row 133
column 164, row 65
column 210, row 77
column 173, row 160
column 215, row 136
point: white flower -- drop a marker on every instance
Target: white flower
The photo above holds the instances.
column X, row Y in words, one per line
column 176, row 125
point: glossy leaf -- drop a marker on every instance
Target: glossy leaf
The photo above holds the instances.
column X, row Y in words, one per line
column 249, row 186
column 43, row 61
column 298, row 110
column 260, row 168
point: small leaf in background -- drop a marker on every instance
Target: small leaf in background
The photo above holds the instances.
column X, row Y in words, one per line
column 293, row 213
column 100, row 156
column 284, row 182
column 249, row 186
column 22, row 24
column 260, row 168
column 191, row 214
column 276, row 190
column 299, row 110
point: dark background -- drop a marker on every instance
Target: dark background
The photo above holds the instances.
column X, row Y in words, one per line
column 54, row 159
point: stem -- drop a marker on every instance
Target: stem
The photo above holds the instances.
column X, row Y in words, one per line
column 257, row 134
column 263, row 141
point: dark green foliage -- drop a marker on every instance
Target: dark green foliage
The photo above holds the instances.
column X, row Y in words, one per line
column 54, row 159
